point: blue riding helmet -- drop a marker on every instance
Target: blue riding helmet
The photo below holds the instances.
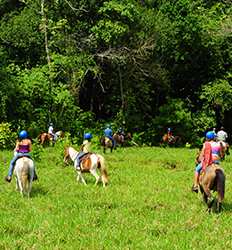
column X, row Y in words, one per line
column 23, row 134
column 88, row 136
column 210, row 135
column 169, row 129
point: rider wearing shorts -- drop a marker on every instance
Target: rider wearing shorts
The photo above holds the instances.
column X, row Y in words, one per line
column 210, row 153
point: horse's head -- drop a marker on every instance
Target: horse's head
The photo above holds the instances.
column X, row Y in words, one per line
column 69, row 154
column 67, row 157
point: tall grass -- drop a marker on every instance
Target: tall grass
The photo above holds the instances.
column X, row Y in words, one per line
column 147, row 205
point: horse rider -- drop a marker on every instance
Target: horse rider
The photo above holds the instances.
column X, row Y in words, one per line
column 170, row 135
column 23, row 148
column 209, row 154
column 85, row 149
column 51, row 132
column 222, row 135
column 121, row 132
column 109, row 134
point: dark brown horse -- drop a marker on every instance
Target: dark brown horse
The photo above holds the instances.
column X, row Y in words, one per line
column 170, row 140
column 213, row 179
column 106, row 143
column 121, row 139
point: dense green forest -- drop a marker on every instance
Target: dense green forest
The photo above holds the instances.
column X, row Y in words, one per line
column 151, row 63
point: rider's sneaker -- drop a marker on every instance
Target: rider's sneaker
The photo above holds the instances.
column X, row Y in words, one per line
column 8, row 178
column 195, row 189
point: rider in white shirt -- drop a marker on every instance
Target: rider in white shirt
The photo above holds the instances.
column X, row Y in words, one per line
column 222, row 135
column 51, row 131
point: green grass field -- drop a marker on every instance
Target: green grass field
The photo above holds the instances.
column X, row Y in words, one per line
column 147, row 205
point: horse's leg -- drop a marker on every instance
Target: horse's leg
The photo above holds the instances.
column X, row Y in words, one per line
column 209, row 199
column 227, row 149
column 81, row 177
column 219, row 206
column 78, row 177
column 94, row 173
column 20, row 186
column 17, row 184
column 29, row 186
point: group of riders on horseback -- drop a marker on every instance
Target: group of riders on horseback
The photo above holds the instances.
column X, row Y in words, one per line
column 212, row 151
column 24, row 145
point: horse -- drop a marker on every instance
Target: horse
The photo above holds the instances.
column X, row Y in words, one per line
column 225, row 149
column 106, row 143
column 24, row 172
column 213, row 179
column 45, row 139
column 59, row 134
column 120, row 139
column 170, row 140
column 89, row 163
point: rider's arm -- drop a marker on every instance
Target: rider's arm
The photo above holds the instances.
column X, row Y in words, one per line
column 16, row 146
column 30, row 145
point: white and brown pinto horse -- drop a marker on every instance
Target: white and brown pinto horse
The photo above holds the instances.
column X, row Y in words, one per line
column 24, row 172
column 89, row 163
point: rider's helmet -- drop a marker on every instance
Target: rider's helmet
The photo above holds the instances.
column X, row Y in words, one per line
column 169, row 129
column 23, row 134
column 108, row 126
column 51, row 124
column 210, row 135
column 88, row 136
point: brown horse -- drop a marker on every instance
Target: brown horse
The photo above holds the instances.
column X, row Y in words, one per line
column 225, row 149
column 45, row 139
column 213, row 179
column 170, row 140
column 106, row 143
column 121, row 139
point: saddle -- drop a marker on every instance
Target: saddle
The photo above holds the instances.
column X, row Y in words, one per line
column 85, row 157
column 21, row 156
column 84, row 161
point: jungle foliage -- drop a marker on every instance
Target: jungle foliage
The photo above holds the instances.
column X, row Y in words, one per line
column 153, row 64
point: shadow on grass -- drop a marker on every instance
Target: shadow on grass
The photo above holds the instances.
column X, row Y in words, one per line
column 38, row 191
column 227, row 206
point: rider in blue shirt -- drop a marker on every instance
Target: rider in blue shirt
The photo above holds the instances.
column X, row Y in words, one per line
column 109, row 134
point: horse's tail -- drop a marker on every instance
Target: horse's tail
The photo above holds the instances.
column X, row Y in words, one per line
column 220, row 182
column 103, row 169
column 25, row 176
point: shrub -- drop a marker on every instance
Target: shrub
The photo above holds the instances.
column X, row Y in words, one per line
column 7, row 137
